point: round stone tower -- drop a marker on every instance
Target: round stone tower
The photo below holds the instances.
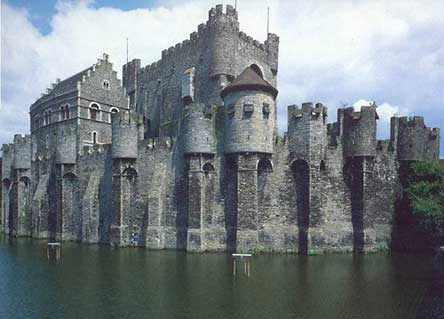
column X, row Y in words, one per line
column 359, row 131
column 124, row 135
column 249, row 114
column 197, row 129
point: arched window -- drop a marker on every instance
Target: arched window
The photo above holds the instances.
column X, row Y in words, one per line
column 49, row 117
column 264, row 167
column 130, row 174
column 94, row 137
column 94, row 112
column 112, row 111
column 322, row 167
column 208, row 168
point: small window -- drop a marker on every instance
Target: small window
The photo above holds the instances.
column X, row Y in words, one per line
column 322, row 167
column 105, row 84
column 94, row 137
column 49, row 117
column 248, row 108
column 266, row 110
column 47, row 141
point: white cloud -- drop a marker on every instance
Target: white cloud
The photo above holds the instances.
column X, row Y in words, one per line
column 331, row 51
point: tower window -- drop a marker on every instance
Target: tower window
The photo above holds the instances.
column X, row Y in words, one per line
column 248, row 108
column 105, row 84
column 94, row 112
column 113, row 110
column 64, row 112
column 94, row 137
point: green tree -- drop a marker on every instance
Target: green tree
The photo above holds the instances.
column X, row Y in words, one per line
column 426, row 194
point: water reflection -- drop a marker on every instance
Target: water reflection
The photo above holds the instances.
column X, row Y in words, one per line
column 101, row 282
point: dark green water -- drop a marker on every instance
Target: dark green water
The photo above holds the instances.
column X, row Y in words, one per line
column 100, row 282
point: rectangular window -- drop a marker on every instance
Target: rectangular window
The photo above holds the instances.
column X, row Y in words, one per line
column 266, row 110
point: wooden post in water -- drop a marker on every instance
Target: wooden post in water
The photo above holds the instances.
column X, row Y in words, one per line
column 246, row 259
column 54, row 246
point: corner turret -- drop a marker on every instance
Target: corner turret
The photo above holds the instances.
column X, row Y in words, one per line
column 359, row 131
column 198, row 129
column 414, row 141
column 124, row 135
column 307, row 131
column 250, row 114
column 22, row 152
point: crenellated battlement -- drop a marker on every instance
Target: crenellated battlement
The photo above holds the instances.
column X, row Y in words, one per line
column 20, row 139
column 313, row 110
column 307, row 131
column 159, row 143
column 218, row 12
column 413, row 139
column 218, row 22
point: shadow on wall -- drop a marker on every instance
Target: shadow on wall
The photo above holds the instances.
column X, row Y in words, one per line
column 408, row 232
column 231, row 202
column 301, row 180
column 353, row 174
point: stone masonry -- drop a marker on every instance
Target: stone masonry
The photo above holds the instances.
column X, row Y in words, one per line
column 185, row 154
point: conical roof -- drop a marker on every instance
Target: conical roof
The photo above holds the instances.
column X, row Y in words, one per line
column 249, row 79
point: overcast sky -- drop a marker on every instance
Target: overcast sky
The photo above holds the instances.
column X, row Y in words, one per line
column 334, row 52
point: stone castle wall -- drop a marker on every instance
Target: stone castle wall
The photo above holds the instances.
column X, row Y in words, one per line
column 218, row 52
column 165, row 163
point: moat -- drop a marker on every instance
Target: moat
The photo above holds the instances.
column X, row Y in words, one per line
column 91, row 281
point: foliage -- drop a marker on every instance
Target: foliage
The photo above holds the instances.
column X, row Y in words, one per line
column 426, row 191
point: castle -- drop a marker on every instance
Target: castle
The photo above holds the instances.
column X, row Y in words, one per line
column 185, row 154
